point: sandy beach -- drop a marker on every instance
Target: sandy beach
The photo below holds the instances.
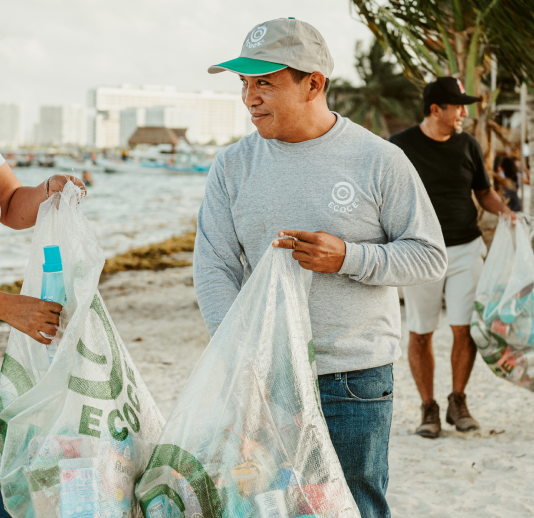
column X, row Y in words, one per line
column 489, row 473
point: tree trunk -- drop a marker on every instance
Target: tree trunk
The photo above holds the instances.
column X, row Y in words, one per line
column 462, row 44
column 530, row 132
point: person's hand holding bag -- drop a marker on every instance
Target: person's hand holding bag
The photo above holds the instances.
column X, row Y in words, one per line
column 19, row 206
column 30, row 315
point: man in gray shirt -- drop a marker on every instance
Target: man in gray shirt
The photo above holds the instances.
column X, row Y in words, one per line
column 364, row 222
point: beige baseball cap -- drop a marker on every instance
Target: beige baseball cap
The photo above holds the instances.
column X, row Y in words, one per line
column 277, row 44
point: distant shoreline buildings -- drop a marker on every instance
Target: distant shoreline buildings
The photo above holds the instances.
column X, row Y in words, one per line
column 61, row 125
column 113, row 113
column 10, row 125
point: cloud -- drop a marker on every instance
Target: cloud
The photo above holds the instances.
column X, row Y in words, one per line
column 52, row 52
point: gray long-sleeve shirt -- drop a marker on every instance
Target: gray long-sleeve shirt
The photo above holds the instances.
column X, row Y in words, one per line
column 349, row 183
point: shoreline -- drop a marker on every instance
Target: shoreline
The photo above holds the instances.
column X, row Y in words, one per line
column 170, row 253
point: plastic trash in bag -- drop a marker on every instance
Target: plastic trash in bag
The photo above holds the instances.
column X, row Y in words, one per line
column 247, row 438
column 76, row 433
column 502, row 325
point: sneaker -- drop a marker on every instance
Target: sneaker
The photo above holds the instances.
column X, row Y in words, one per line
column 430, row 426
column 458, row 414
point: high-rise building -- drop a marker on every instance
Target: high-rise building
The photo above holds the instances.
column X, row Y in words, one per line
column 130, row 120
column 177, row 117
column 50, row 123
column 10, row 124
column 74, row 124
column 62, row 125
column 209, row 116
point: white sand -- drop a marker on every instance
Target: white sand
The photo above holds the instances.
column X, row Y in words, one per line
column 161, row 309
column 489, row 473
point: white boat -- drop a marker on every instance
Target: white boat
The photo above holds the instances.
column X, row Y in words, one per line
column 69, row 164
column 119, row 166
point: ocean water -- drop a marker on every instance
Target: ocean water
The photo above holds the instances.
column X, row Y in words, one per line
column 127, row 210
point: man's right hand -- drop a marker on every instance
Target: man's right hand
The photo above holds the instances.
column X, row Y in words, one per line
column 30, row 315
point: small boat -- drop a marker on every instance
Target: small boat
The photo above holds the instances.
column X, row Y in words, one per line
column 152, row 164
column 188, row 169
column 69, row 164
column 119, row 166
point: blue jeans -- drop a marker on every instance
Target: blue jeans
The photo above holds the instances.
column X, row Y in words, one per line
column 3, row 512
column 358, row 407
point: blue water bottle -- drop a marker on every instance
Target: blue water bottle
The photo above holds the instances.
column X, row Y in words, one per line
column 53, row 285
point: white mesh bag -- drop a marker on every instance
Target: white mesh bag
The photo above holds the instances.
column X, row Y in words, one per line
column 502, row 325
column 80, row 430
column 247, row 437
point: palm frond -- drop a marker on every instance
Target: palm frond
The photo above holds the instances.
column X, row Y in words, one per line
column 471, row 65
column 451, row 57
column 385, row 93
column 417, row 32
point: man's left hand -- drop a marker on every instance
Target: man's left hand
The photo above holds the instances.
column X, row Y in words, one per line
column 58, row 181
column 315, row 251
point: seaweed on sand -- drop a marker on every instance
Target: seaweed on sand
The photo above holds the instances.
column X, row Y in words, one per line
column 170, row 253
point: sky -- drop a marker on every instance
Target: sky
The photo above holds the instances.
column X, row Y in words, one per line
column 53, row 51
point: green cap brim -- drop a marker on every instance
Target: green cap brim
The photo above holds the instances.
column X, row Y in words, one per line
column 247, row 67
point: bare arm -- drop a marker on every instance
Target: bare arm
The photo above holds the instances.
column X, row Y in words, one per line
column 527, row 179
column 18, row 209
column 19, row 205
column 490, row 201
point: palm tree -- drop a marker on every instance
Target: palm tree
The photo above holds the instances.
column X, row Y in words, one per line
column 385, row 95
column 457, row 37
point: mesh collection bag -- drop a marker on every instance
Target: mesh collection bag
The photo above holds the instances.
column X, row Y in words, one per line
column 77, row 433
column 247, row 437
column 502, row 325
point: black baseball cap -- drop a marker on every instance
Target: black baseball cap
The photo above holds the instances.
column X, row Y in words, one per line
column 447, row 90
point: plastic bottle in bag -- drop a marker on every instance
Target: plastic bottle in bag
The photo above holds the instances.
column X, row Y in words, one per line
column 235, row 506
column 53, row 286
column 515, row 307
column 524, row 334
column 162, row 507
column 118, row 477
column 78, row 480
column 272, row 504
column 490, row 312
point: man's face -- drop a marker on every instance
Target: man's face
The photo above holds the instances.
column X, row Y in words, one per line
column 453, row 117
column 275, row 102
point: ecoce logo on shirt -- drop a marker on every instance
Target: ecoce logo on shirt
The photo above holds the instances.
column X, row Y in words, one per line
column 343, row 195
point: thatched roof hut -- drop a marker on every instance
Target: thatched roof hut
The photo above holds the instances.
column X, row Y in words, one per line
column 154, row 135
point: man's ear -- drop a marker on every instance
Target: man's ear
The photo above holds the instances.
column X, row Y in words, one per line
column 435, row 110
column 316, row 81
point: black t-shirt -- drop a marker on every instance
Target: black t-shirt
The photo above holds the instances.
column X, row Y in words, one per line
column 449, row 171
